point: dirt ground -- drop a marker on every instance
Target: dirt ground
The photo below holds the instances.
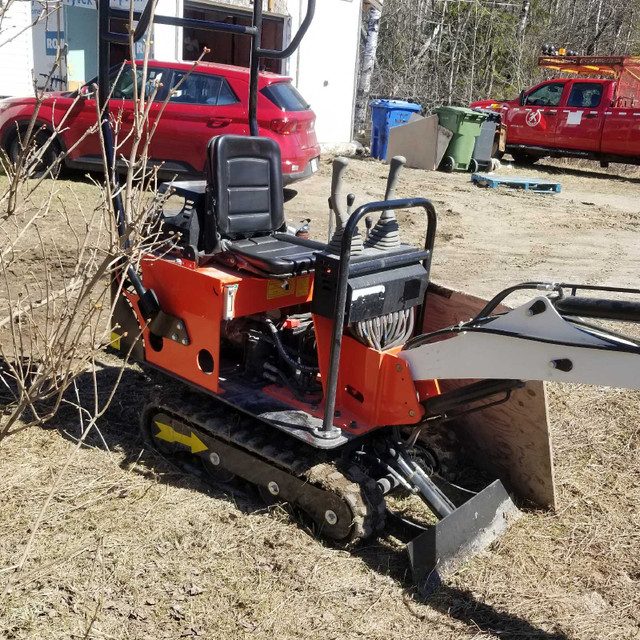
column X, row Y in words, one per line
column 131, row 547
column 491, row 238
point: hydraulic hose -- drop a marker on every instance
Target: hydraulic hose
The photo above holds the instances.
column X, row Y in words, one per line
column 273, row 330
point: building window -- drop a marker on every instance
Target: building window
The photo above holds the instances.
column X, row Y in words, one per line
column 226, row 48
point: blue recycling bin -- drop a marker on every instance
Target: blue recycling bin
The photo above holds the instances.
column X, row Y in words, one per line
column 384, row 115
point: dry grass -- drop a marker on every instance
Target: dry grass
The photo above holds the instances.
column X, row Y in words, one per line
column 133, row 548
column 153, row 553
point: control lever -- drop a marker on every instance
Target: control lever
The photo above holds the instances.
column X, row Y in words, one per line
column 336, row 204
column 397, row 162
column 351, row 198
column 303, row 230
column 386, row 235
column 369, row 223
column 340, row 165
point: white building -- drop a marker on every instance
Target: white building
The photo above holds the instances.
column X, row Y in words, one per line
column 323, row 69
column 16, row 50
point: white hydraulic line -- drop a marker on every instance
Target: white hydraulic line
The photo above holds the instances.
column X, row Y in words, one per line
column 527, row 348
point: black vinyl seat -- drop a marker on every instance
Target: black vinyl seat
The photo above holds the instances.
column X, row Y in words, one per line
column 244, row 220
column 275, row 256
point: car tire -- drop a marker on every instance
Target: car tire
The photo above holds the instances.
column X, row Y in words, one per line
column 48, row 159
column 524, row 158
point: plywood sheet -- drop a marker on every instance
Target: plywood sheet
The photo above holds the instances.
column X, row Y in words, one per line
column 422, row 141
column 444, row 138
column 510, row 440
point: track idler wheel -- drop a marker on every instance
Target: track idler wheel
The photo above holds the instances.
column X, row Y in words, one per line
column 359, row 492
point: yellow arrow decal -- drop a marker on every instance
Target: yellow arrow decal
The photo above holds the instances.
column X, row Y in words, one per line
column 169, row 434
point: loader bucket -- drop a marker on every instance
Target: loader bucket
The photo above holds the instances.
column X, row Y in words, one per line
column 472, row 527
column 511, row 441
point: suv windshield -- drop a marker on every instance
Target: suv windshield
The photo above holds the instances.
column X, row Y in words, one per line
column 285, row 96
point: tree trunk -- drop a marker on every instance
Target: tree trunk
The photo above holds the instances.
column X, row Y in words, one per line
column 598, row 15
column 366, row 70
column 524, row 14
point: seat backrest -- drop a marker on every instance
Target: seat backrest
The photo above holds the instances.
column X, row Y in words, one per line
column 244, row 189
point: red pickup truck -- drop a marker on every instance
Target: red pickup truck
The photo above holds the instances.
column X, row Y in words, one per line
column 597, row 119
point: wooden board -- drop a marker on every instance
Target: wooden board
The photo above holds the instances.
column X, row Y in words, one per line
column 511, row 440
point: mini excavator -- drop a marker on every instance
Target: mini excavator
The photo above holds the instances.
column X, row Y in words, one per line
column 305, row 365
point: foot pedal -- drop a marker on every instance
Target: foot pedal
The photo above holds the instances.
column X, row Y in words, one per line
column 472, row 527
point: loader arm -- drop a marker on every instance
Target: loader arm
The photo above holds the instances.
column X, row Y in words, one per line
column 545, row 339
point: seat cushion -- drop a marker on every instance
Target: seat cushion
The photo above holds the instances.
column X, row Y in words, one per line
column 277, row 256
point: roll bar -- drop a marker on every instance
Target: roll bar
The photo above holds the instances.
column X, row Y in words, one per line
column 144, row 19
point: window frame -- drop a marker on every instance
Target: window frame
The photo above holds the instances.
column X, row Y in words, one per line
column 214, row 76
column 591, row 85
column 545, row 86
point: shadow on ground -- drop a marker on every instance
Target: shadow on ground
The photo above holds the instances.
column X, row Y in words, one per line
column 577, row 172
column 118, row 431
column 459, row 604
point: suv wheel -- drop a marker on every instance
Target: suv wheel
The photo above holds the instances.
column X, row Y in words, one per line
column 48, row 158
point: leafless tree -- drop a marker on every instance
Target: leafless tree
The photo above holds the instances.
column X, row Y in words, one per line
column 60, row 259
column 457, row 51
column 60, row 256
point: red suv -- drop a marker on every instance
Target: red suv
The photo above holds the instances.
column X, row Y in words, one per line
column 210, row 101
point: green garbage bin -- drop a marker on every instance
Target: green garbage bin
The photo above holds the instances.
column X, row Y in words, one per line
column 466, row 125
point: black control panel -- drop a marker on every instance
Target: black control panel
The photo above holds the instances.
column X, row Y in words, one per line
column 379, row 283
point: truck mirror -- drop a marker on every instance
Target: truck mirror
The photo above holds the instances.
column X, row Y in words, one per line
column 522, row 100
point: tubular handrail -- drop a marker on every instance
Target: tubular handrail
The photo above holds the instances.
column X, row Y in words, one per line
column 105, row 12
column 295, row 42
column 205, row 25
column 106, row 37
column 328, row 429
column 144, row 20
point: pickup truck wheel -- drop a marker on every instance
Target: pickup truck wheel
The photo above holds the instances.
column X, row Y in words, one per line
column 495, row 151
column 524, row 158
column 48, row 157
